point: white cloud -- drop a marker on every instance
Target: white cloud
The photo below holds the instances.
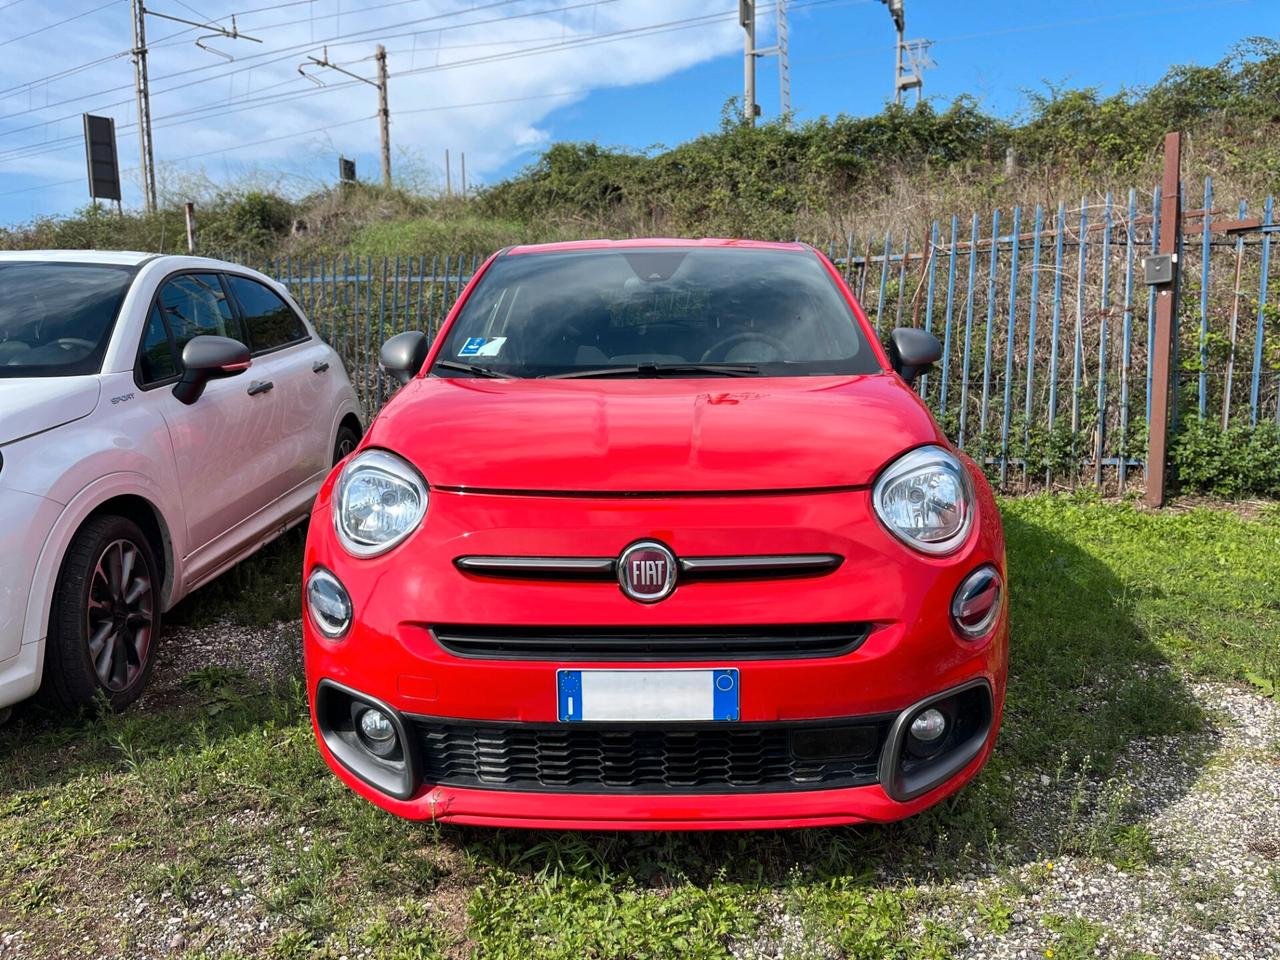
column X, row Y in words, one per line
column 425, row 90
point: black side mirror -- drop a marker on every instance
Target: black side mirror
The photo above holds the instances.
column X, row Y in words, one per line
column 912, row 352
column 404, row 354
column 209, row 358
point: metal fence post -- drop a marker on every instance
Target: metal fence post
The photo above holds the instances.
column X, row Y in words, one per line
column 1166, row 308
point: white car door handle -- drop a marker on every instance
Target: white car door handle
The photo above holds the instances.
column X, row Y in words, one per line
column 260, row 386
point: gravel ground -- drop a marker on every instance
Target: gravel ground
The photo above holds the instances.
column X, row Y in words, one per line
column 1212, row 887
column 271, row 653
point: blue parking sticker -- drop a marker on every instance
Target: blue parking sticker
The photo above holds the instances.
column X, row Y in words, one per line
column 471, row 347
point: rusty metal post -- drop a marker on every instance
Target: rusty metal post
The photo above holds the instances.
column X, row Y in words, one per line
column 1166, row 312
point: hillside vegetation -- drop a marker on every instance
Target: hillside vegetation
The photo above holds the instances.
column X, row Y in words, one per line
column 816, row 180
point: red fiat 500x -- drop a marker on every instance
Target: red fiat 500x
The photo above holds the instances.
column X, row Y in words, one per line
column 656, row 535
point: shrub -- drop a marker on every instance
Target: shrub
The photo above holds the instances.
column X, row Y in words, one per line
column 1240, row 461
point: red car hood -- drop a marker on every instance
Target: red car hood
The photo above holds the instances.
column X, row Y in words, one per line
column 653, row 435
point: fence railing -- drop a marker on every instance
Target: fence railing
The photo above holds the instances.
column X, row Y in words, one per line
column 1044, row 316
column 356, row 303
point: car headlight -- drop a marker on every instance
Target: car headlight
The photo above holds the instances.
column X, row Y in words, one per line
column 378, row 501
column 925, row 499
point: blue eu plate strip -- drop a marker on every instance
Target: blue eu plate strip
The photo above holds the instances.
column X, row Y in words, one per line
column 725, row 697
column 569, row 684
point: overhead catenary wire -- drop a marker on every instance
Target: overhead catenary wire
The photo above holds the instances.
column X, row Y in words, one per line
column 168, row 40
column 211, row 110
column 268, row 57
column 63, row 74
column 289, row 57
column 53, row 26
column 221, row 109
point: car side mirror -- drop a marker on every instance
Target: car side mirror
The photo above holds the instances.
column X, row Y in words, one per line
column 912, row 352
column 404, row 354
column 209, row 358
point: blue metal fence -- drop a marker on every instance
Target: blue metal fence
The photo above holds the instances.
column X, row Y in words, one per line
column 1070, row 403
column 1045, row 332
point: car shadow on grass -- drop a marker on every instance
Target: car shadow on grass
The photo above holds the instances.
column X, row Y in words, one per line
column 1085, row 684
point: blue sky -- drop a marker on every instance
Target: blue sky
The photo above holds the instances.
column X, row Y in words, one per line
column 625, row 72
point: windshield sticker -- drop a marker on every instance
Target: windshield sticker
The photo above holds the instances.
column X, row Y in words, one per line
column 482, row 347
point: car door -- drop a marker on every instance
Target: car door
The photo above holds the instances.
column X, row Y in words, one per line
column 223, row 444
column 297, row 366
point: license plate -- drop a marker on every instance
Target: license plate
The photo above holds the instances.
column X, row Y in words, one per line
column 647, row 695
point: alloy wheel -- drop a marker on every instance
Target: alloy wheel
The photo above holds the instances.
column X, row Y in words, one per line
column 121, row 615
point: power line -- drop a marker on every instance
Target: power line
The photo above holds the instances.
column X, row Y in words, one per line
column 288, row 53
column 80, row 68
column 286, row 136
column 63, row 74
column 212, row 110
column 203, row 16
column 51, row 26
column 587, row 40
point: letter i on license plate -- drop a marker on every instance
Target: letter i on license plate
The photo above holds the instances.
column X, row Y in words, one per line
column 647, row 695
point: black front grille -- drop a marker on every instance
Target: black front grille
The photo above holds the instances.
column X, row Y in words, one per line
column 666, row 643
column 648, row 758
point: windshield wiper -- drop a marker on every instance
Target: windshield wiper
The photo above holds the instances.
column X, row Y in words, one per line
column 473, row 368
column 663, row 369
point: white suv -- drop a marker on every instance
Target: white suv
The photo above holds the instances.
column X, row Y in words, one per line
column 161, row 418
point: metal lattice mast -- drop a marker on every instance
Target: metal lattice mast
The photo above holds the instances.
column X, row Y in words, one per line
column 911, row 57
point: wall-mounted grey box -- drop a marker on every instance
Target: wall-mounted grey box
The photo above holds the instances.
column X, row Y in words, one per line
column 1158, row 268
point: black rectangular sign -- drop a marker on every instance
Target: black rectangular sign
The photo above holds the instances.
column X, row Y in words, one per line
column 100, row 155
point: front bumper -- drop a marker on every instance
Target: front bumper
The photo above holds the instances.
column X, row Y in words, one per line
column 390, row 656
column 25, row 522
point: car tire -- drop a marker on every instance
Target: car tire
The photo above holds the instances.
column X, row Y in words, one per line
column 348, row 439
column 105, row 620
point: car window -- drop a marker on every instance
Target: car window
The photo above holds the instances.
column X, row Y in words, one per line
column 195, row 305
column 632, row 311
column 272, row 322
column 56, row 319
column 156, row 359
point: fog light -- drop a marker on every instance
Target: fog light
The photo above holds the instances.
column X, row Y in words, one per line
column 376, row 726
column 977, row 602
column 928, row 726
column 377, row 732
column 328, row 603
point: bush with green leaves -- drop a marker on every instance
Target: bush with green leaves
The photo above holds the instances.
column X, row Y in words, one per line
column 1240, row 461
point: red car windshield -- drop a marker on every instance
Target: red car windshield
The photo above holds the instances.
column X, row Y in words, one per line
column 640, row 312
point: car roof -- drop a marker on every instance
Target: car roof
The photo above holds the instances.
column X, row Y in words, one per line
column 127, row 258
column 572, row 246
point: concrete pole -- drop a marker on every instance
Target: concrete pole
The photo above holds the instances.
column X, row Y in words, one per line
column 143, row 93
column 384, row 115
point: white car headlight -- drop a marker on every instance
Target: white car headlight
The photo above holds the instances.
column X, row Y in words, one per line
column 925, row 499
column 378, row 501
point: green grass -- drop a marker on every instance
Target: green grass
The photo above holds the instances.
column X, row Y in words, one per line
column 218, row 787
column 462, row 234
